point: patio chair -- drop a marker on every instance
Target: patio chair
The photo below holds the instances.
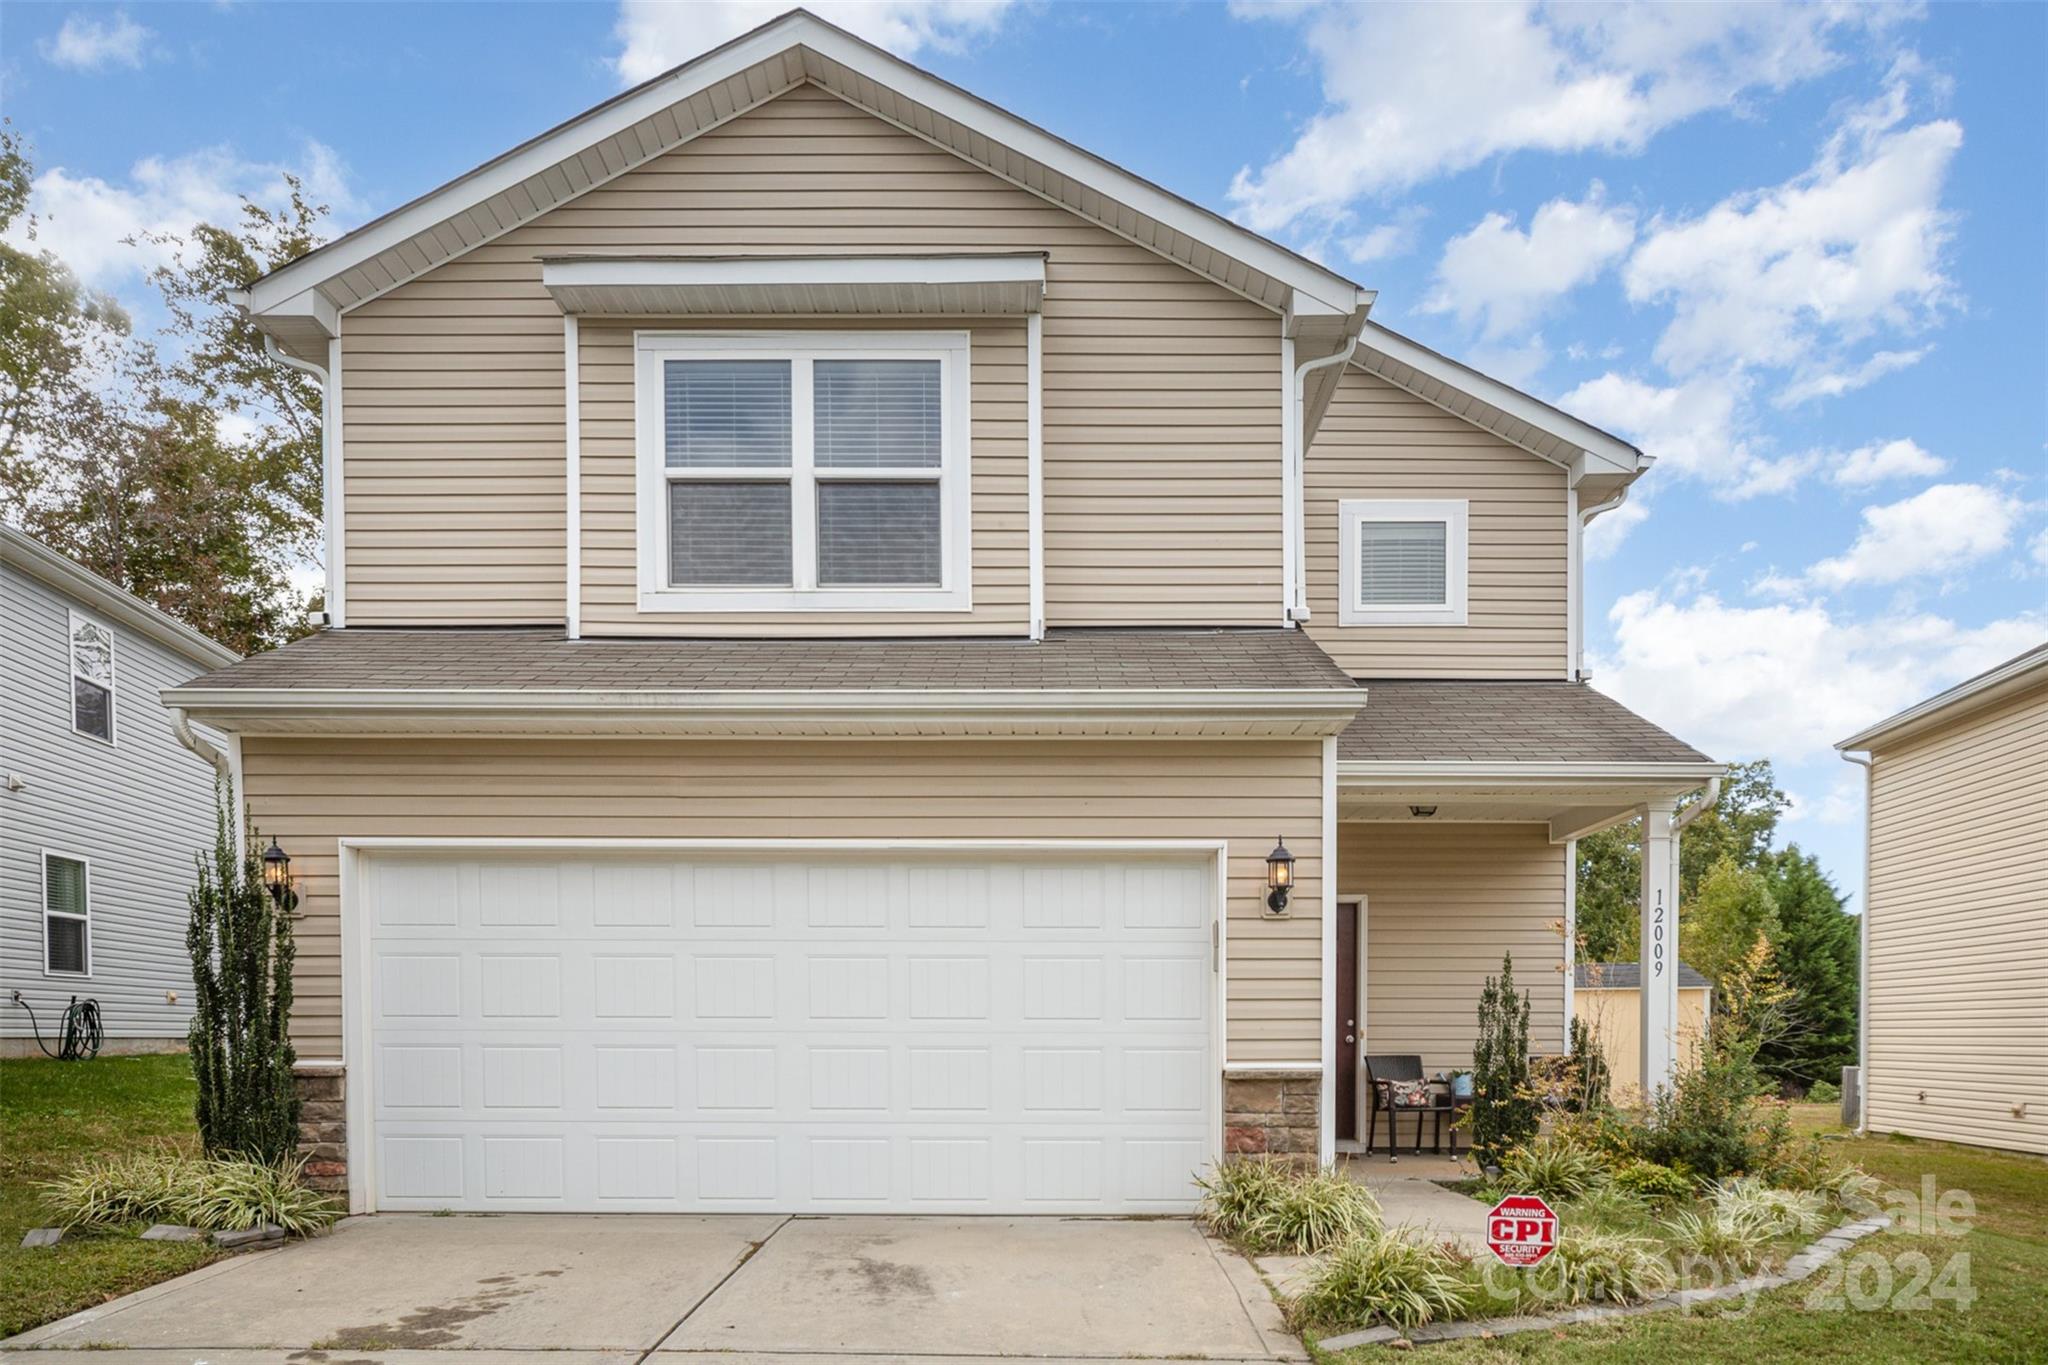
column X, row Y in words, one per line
column 1396, row 1085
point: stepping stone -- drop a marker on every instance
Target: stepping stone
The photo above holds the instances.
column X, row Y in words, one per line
column 265, row 1234
column 43, row 1237
column 173, row 1232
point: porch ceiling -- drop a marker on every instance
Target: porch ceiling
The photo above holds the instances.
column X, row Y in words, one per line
column 1569, row 806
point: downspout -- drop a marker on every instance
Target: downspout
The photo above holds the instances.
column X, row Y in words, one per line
column 1297, row 464
column 181, row 726
column 1863, row 958
column 1697, row 808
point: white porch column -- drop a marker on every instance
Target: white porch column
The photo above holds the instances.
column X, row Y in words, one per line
column 1659, row 952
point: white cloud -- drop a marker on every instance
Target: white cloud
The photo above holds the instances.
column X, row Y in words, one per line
column 1833, row 383
column 1606, row 532
column 1412, row 92
column 1387, row 240
column 1695, row 429
column 1786, row 680
column 1937, row 531
column 1842, row 805
column 1879, row 461
column 84, row 44
column 1502, row 277
column 1782, row 277
column 84, row 219
column 2039, row 549
column 655, row 35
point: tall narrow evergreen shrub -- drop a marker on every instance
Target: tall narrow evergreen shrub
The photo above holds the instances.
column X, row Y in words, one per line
column 242, row 950
column 1504, row 1113
column 1589, row 1072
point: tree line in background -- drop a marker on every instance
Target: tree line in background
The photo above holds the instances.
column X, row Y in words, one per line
column 183, row 467
column 1751, row 918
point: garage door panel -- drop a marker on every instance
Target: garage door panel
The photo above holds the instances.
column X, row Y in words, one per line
column 909, row 1035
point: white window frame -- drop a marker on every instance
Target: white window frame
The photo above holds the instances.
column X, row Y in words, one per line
column 951, row 349
column 77, row 619
column 43, row 872
column 1453, row 513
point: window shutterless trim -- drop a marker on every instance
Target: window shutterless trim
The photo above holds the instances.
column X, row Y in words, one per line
column 43, row 872
column 76, row 619
column 1452, row 513
column 653, row 476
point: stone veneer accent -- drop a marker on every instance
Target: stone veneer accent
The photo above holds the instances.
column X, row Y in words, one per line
column 1271, row 1112
column 323, row 1126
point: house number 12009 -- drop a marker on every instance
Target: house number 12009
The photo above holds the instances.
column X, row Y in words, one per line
column 1657, row 937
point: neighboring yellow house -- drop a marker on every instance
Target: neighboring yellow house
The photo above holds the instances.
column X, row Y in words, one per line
column 835, row 595
column 1607, row 997
column 1955, row 924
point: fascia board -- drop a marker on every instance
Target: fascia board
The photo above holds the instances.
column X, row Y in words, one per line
column 1375, row 774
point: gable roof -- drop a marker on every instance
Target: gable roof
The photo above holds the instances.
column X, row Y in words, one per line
column 1993, row 684
column 64, row 575
column 301, row 303
column 1411, row 721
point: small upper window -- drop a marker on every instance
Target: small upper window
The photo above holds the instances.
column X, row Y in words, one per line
column 822, row 471
column 92, row 678
column 67, row 916
column 1403, row 562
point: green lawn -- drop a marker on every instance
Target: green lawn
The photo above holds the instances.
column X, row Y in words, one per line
column 2006, row 1246
column 52, row 1114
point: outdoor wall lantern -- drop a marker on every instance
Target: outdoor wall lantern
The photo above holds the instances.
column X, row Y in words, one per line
column 277, row 876
column 1279, row 878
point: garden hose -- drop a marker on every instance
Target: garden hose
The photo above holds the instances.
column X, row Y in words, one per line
column 82, row 1034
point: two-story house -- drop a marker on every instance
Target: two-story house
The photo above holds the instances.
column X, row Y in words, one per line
column 881, row 662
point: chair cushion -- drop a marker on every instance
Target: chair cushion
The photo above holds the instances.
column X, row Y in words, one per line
column 1405, row 1094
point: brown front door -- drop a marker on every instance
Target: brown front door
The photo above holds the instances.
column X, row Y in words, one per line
column 1344, row 1041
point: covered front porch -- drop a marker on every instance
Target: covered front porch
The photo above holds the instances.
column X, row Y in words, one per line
column 1459, row 806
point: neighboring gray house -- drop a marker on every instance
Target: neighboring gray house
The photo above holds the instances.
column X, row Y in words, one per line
column 101, row 808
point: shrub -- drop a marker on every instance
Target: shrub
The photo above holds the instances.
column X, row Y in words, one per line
column 241, row 946
column 1824, row 1092
column 1707, row 1120
column 1271, row 1208
column 1590, row 1072
column 1651, row 1180
column 1396, row 1279
column 1600, row 1267
column 1503, row 1113
column 1609, row 1206
column 1554, row 1167
column 165, row 1186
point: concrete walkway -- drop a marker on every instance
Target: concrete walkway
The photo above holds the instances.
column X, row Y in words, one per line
column 612, row 1290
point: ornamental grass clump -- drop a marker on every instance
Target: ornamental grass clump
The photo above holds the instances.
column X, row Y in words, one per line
column 1553, row 1167
column 1600, row 1267
column 1271, row 1208
column 1779, row 1212
column 1736, row 1242
column 1397, row 1279
column 166, row 1186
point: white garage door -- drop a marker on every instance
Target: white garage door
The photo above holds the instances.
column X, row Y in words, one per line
column 844, row 1034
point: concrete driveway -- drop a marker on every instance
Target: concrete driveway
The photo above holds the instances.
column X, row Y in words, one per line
column 733, row 1289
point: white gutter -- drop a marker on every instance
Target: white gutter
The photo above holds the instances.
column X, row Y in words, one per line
column 329, row 376
column 1699, row 807
column 1453, row 772
column 1869, row 766
column 1297, row 475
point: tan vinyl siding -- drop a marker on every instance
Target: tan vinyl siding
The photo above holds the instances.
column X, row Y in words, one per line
column 1378, row 441
column 1161, row 395
column 1958, row 903
column 1443, row 903
column 1615, row 1018
column 310, row 793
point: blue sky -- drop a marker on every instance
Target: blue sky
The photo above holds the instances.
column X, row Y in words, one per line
column 1798, row 253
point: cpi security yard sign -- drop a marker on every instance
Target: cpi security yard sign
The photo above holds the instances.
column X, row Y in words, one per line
column 1521, row 1230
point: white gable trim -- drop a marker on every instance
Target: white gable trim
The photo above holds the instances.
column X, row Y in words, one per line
column 796, row 49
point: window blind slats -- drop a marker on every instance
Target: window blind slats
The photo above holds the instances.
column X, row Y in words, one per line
column 726, row 412
column 729, row 534
column 1403, row 563
column 877, row 413
column 878, row 534
column 64, row 886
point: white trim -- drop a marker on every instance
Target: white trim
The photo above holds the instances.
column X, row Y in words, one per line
column 1291, row 493
column 356, row 1010
column 333, row 452
column 1362, row 772
column 74, row 619
column 1455, row 516
column 44, row 915
column 572, row 492
column 238, row 806
column 1258, row 1068
column 2002, row 681
column 1571, row 930
column 953, row 351
column 1034, row 465
column 1574, row 575
column 1326, row 1124
column 1317, row 290
column 44, row 564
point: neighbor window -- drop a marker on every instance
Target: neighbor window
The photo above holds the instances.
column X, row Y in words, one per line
column 1403, row 562
column 67, row 916
column 92, row 678
column 803, row 472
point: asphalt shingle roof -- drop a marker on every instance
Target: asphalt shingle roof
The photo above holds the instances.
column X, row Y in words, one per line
column 1503, row 722
column 1626, row 976
column 544, row 659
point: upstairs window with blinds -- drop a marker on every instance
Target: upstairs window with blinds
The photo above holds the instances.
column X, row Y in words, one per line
column 92, row 678
column 67, row 916
column 1404, row 562
column 804, row 472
